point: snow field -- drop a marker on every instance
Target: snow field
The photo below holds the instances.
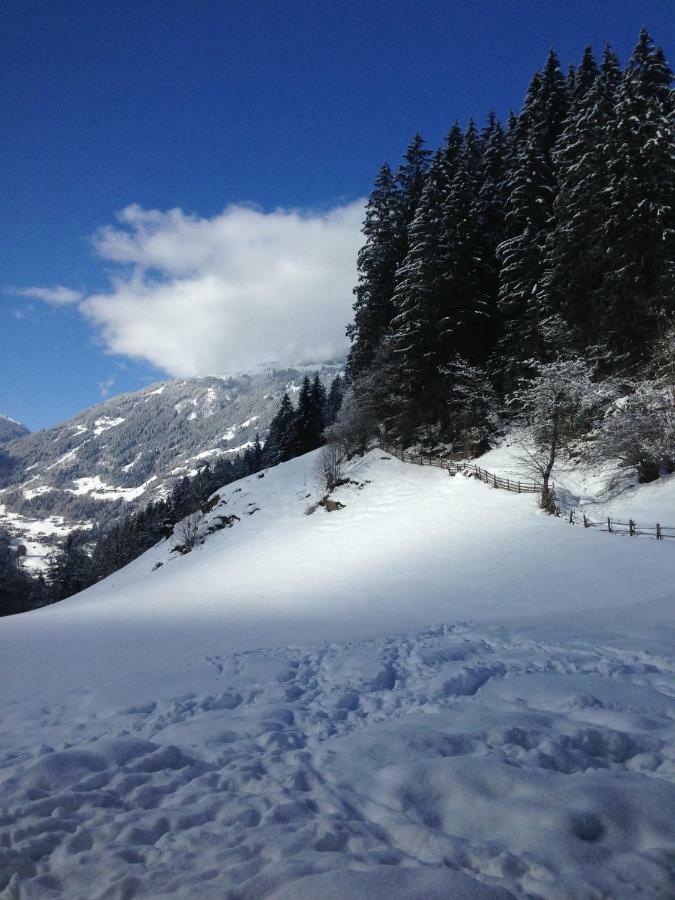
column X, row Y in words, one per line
column 435, row 691
column 587, row 490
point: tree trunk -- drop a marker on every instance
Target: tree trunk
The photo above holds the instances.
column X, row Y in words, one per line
column 547, row 497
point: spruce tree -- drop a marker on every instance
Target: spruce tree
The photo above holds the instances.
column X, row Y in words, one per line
column 547, row 110
column 256, row 463
column 576, row 255
column 309, row 415
column 584, row 79
column 531, row 190
column 418, row 301
column 465, row 323
column 334, row 400
column 15, row 584
column 69, row 568
column 319, row 401
column 527, row 218
column 377, row 261
column 639, row 233
column 411, row 175
column 282, row 441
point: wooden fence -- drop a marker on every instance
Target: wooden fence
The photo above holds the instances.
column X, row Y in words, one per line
column 613, row 526
column 454, row 464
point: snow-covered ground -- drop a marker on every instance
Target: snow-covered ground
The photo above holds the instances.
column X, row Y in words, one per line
column 39, row 537
column 599, row 491
column 95, row 487
column 433, row 692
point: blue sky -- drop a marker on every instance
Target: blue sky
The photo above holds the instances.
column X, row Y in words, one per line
column 200, row 104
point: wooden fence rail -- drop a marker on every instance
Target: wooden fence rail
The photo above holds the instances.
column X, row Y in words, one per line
column 453, row 464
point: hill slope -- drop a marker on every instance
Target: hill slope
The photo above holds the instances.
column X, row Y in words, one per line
column 10, row 429
column 434, row 689
column 131, row 449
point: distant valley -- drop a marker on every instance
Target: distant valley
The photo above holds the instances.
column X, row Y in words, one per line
column 129, row 450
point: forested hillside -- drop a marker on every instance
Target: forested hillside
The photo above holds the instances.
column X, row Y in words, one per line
column 10, row 429
column 114, row 458
column 523, row 265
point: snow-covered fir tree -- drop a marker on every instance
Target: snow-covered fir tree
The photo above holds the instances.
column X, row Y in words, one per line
column 282, row 437
column 638, row 292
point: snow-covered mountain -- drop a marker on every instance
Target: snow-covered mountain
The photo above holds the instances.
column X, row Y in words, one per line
column 433, row 691
column 132, row 448
column 10, row 429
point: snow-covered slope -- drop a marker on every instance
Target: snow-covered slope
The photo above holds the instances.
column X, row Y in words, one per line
column 434, row 691
column 131, row 449
column 11, row 429
column 599, row 492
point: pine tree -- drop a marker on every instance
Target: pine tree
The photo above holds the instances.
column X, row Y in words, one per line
column 490, row 211
column 319, row 401
column 411, row 175
column 492, row 175
column 418, row 301
column 334, row 400
column 257, row 455
column 465, row 323
column 584, row 79
column 527, row 218
column 531, row 189
column 576, row 254
column 378, row 259
column 15, row 584
column 547, row 110
column 309, row 415
column 282, row 440
column 639, row 233
column 38, row 592
column 69, row 568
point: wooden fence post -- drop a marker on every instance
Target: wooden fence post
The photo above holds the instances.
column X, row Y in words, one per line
column 491, row 478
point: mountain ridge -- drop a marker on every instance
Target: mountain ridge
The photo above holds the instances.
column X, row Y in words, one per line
column 10, row 429
column 134, row 447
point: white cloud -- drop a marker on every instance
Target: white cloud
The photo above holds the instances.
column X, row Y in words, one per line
column 55, row 296
column 105, row 387
column 202, row 296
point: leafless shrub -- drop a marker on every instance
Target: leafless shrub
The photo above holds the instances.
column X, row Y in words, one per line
column 638, row 432
column 329, row 466
column 186, row 531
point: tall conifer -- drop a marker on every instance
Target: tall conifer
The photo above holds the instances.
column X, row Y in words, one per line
column 639, row 234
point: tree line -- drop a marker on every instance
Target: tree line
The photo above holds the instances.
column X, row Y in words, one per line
column 516, row 246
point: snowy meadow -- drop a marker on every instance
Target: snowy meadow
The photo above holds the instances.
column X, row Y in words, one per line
column 459, row 711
